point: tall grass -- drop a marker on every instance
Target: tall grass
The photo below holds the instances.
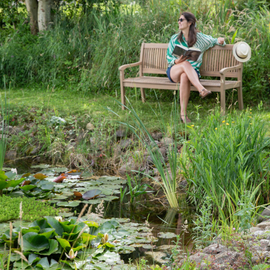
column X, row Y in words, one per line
column 167, row 170
column 84, row 50
column 229, row 156
column 4, row 127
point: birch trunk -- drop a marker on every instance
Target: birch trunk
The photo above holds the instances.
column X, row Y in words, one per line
column 32, row 8
column 44, row 14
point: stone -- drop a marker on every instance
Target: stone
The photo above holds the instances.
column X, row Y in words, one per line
column 90, row 126
column 199, row 257
column 228, row 257
column 10, row 155
column 121, row 133
column 167, row 141
column 127, row 168
column 156, row 135
column 215, row 249
column 124, row 144
column 254, row 229
column 264, row 224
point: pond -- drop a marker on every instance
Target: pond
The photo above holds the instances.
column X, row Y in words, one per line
column 151, row 227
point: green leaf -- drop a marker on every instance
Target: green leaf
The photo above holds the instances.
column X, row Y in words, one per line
column 3, row 184
column 64, row 243
column 35, row 229
column 14, row 183
column 27, row 187
column 44, row 263
column 3, row 176
column 55, row 224
column 33, row 258
column 53, row 248
column 34, row 242
column 68, row 204
column 47, row 232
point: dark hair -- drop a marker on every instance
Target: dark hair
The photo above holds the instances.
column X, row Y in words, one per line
column 192, row 35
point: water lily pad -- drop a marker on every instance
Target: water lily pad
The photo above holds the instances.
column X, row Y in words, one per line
column 148, row 247
column 68, row 204
column 166, row 235
column 34, row 242
column 91, row 194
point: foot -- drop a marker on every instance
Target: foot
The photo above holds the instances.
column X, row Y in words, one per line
column 185, row 119
column 204, row 93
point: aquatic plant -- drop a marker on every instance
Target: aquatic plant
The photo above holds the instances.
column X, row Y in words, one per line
column 32, row 209
column 229, row 155
column 168, row 174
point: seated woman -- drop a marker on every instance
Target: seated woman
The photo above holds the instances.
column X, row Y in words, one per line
column 184, row 70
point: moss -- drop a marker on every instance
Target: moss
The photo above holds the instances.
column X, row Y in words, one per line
column 32, row 209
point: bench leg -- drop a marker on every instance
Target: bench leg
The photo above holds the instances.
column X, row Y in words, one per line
column 222, row 101
column 240, row 98
column 123, row 101
column 143, row 95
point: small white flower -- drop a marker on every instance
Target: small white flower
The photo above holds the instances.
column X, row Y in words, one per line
column 59, row 218
column 71, row 255
column 14, row 170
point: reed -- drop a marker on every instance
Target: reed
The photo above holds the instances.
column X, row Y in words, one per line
column 230, row 152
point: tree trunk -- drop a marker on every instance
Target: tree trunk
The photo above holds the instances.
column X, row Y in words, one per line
column 32, row 8
column 44, row 14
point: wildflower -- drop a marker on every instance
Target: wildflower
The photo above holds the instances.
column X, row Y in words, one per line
column 71, row 255
column 14, row 170
column 192, row 125
column 223, row 121
column 227, row 124
column 59, row 218
column 232, row 122
column 250, row 116
column 215, row 128
column 105, row 238
column 250, row 123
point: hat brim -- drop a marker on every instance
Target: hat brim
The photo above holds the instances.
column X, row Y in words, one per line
column 237, row 57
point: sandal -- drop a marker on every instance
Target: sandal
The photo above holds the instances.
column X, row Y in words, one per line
column 185, row 119
column 204, row 93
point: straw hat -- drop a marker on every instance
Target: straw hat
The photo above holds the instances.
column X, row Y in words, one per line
column 241, row 51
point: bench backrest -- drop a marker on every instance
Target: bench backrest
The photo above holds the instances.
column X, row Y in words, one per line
column 153, row 57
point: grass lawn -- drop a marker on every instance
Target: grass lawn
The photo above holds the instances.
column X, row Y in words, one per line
column 66, row 103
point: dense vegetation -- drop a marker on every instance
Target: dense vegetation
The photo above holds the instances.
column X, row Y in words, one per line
column 84, row 47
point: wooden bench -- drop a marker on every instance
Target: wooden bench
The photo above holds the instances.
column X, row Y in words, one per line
column 217, row 62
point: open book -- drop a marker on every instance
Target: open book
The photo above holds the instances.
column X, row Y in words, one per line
column 192, row 53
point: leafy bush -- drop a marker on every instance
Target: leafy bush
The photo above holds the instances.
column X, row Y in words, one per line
column 32, row 209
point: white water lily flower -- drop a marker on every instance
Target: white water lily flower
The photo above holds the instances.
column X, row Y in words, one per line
column 71, row 255
column 14, row 170
column 105, row 238
column 59, row 218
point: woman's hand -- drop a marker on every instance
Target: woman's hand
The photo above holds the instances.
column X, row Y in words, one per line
column 180, row 59
column 221, row 40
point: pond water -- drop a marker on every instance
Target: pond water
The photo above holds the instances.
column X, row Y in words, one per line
column 164, row 223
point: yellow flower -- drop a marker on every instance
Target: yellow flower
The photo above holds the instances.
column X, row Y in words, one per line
column 192, row 125
column 215, row 128
column 250, row 123
column 223, row 121
column 250, row 109
column 232, row 122
column 250, row 116
column 227, row 124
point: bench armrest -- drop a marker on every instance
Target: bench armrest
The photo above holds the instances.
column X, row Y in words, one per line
column 227, row 69
column 130, row 65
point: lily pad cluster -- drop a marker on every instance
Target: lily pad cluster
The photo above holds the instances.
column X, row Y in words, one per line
column 52, row 243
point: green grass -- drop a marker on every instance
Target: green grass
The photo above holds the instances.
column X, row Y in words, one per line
column 65, row 103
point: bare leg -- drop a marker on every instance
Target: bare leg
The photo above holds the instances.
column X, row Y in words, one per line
column 184, row 96
column 192, row 75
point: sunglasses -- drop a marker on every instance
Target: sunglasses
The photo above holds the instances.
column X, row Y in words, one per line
column 181, row 20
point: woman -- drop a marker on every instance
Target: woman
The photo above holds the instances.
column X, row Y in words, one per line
column 184, row 70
